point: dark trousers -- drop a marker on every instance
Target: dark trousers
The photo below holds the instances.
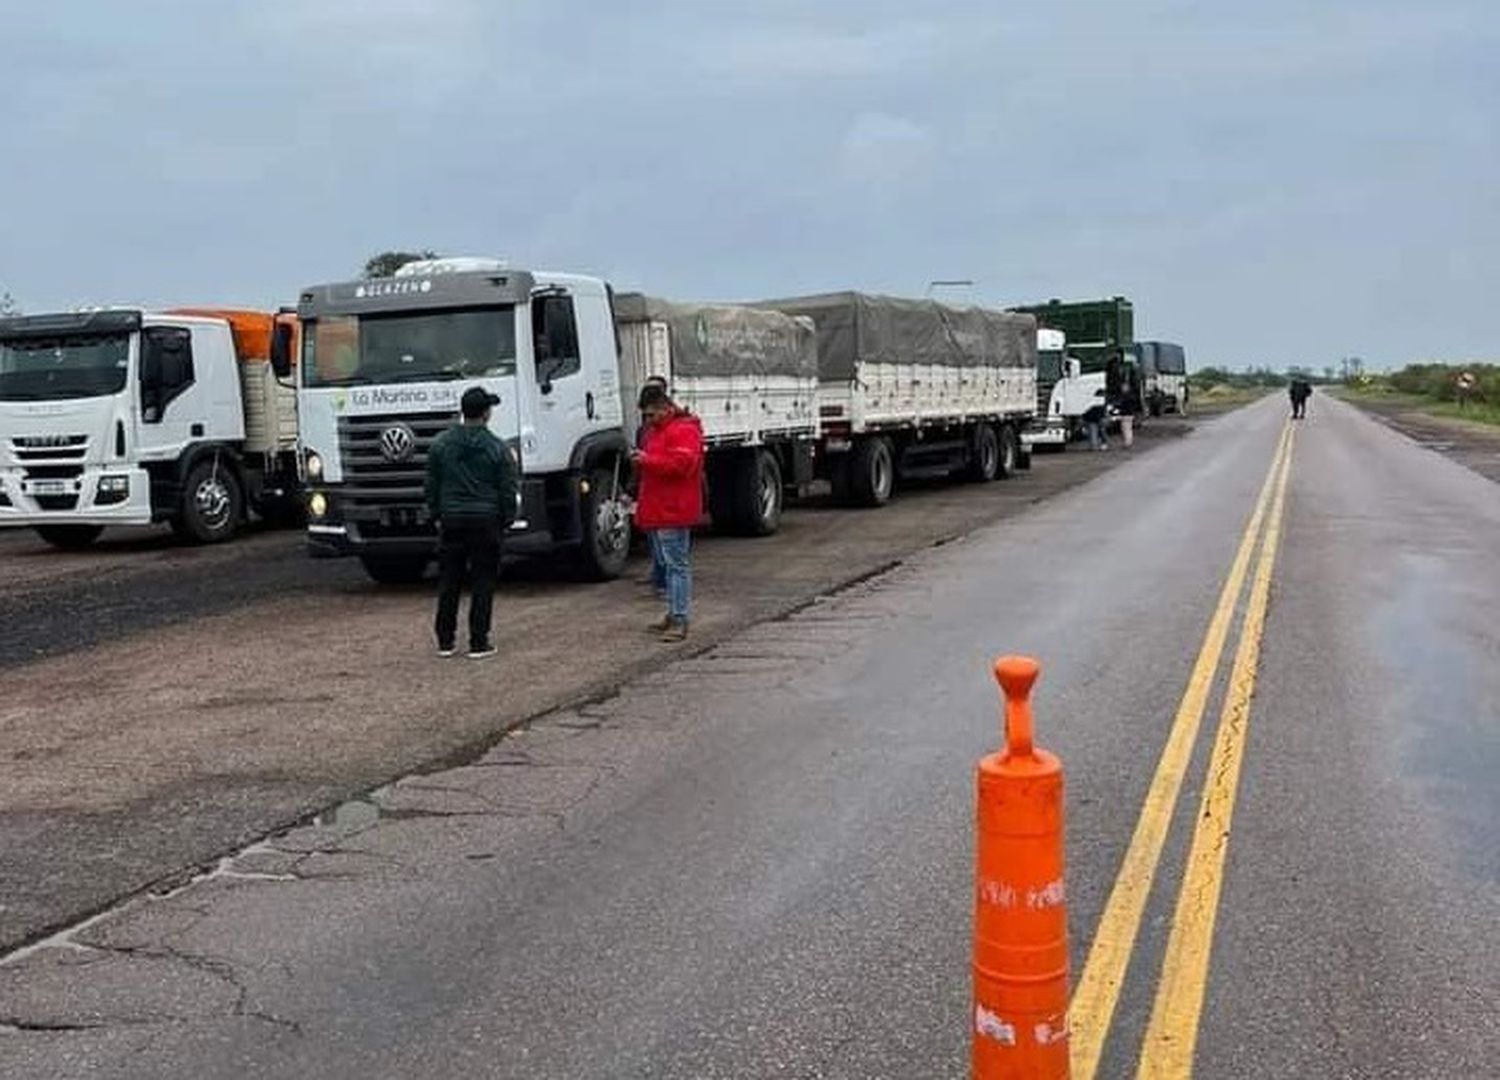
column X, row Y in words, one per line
column 468, row 548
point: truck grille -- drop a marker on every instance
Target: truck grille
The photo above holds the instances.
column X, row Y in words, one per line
column 379, row 470
column 1044, row 394
column 29, row 448
column 52, row 472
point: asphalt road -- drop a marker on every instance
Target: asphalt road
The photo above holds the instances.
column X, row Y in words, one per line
column 757, row 860
column 161, row 705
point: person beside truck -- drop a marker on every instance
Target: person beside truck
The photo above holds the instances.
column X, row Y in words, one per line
column 471, row 491
column 658, row 576
column 670, row 466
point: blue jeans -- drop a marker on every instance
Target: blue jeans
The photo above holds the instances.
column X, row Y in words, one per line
column 671, row 547
column 658, row 568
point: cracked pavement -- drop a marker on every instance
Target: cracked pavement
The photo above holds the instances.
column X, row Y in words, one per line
column 755, row 860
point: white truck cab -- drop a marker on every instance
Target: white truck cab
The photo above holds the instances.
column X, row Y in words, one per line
column 384, row 364
column 1064, row 392
column 129, row 417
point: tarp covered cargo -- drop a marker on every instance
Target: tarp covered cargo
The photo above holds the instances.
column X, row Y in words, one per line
column 855, row 328
column 726, row 339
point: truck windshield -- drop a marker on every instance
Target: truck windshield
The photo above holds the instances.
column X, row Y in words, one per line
column 1049, row 365
column 348, row 350
column 46, row 369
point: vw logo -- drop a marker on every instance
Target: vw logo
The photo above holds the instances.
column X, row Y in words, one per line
column 397, row 442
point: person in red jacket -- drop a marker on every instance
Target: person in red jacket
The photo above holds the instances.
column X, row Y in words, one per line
column 670, row 465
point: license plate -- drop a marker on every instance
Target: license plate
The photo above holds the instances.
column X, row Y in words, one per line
column 51, row 487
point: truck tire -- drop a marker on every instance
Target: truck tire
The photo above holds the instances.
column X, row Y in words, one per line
column 758, row 494
column 605, row 545
column 69, row 537
column 212, row 506
column 395, row 569
column 984, row 455
column 872, row 472
column 1010, row 451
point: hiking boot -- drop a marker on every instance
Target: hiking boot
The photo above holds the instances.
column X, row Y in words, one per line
column 675, row 630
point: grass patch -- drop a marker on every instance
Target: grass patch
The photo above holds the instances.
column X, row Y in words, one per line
column 1476, row 412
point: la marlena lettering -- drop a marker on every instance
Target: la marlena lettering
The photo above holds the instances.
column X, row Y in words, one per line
column 377, row 397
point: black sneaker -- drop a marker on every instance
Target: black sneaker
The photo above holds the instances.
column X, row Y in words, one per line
column 482, row 652
column 446, row 651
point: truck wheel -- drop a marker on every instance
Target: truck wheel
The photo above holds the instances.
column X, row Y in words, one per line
column 69, row 537
column 606, row 528
column 984, row 455
column 395, row 569
column 758, row 494
column 872, row 472
column 1010, row 451
column 212, row 504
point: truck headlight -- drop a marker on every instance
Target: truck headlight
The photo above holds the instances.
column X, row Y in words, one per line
column 314, row 466
column 317, row 504
column 112, row 489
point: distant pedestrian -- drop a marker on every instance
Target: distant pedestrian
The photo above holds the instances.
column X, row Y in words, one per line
column 670, row 466
column 1094, row 419
column 658, row 577
column 1299, row 391
column 472, row 487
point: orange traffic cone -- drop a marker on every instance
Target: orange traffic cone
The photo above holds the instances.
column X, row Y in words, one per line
column 1020, row 910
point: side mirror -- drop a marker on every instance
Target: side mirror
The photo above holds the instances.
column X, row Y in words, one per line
column 545, row 386
column 281, row 350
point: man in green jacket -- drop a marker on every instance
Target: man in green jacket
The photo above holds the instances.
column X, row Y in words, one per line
column 471, row 493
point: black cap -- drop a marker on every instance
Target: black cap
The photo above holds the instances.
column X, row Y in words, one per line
column 475, row 401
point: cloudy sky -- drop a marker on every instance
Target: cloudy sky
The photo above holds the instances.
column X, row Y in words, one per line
column 1278, row 181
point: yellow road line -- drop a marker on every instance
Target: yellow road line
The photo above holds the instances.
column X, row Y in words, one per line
column 1098, row 991
column 1173, row 1031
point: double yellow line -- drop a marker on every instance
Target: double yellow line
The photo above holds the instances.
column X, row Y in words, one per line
column 1172, row 1033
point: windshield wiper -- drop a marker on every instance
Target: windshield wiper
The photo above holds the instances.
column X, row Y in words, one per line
column 351, row 380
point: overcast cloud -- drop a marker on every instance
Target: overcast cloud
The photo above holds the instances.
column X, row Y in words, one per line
column 1279, row 181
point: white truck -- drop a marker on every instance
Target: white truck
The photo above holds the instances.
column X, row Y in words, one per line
column 1064, row 392
column 129, row 417
column 1163, row 366
column 915, row 388
column 384, row 363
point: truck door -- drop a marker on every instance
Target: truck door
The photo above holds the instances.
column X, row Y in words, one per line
column 168, row 406
column 575, row 384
